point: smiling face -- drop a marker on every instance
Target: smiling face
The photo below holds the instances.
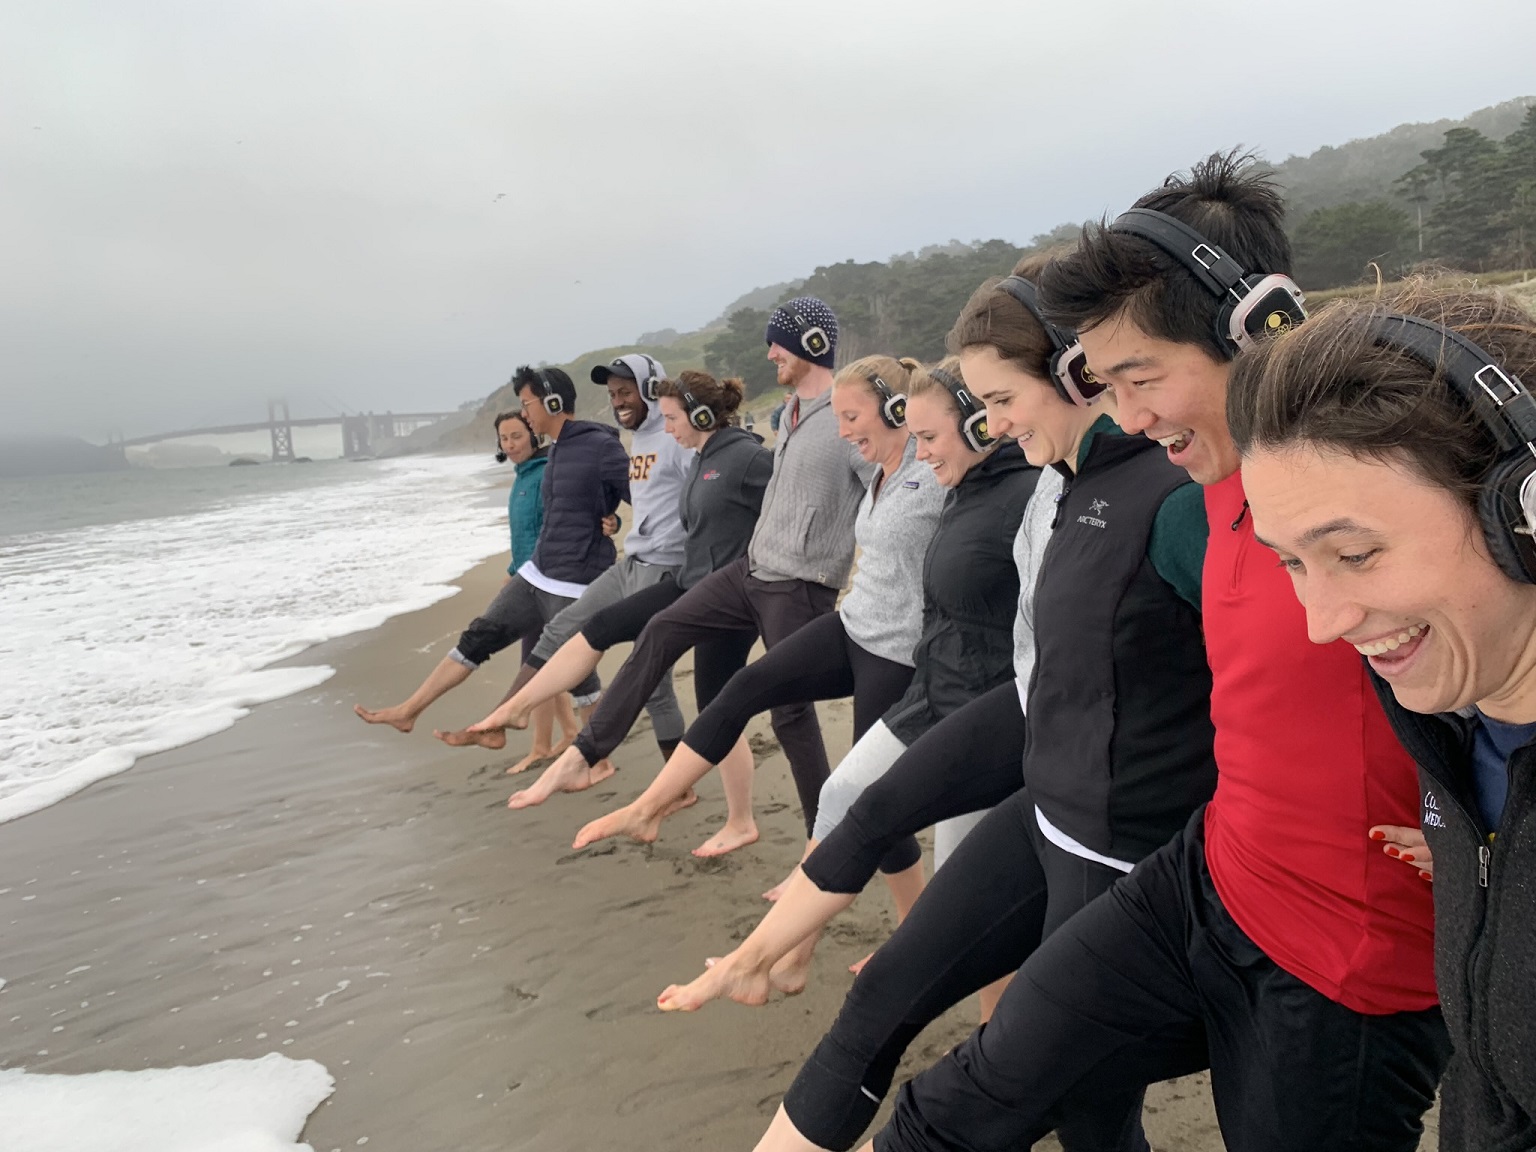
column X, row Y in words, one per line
column 628, row 405
column 859, row 423
column 674, row 418
column 1397, row 567
column 1025, row 407
column 791, row 369
column 935, row 426
column 515, row 439
column 1173, row 393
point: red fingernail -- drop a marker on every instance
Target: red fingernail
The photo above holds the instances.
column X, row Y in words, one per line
column 1426, row 876
column 1408, row 857
column 1391, row 851
column 1377, row 834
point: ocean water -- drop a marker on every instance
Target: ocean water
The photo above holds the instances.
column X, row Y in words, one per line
column 143, row 610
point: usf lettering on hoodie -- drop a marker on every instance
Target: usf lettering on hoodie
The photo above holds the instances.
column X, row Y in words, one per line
column 658, row 469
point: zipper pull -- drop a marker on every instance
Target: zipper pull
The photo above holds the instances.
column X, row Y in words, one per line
column 1241, row 516
column 1483, row 856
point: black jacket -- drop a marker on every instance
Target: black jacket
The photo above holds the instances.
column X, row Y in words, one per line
column 587, row 478
column 720, row 501
column 1485, row 934
column 1119, row 745
column 970, row 594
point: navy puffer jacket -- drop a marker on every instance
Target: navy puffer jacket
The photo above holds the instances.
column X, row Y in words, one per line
column 587, row 478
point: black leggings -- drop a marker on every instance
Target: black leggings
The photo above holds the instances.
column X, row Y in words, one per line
column 1003, row 891
column 967, row 762
column 715, row 660
column 1155, row 980
column 817, row 662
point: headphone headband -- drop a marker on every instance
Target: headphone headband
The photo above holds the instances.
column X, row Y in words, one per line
column 649, row 384
column 973, row 416
column 893, row 405
column 1068, row 365
column 1252, row 305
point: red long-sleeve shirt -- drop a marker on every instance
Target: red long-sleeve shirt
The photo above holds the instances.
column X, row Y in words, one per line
column 1306, row 764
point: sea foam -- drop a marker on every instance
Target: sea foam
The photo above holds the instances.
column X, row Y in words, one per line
column 232, row 1106
column 121, row 640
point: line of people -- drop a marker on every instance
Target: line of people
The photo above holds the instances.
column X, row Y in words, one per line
column 1195, row 809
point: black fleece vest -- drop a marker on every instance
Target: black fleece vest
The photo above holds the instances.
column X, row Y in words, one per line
column 1119, row 745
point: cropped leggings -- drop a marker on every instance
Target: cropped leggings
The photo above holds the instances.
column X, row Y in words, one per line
column 715, row 660
column 819, row 662
column 727, row 601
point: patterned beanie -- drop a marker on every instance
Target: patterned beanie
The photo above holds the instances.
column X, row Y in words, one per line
column 806, row 327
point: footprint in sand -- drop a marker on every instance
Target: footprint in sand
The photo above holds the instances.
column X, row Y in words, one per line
column 690, row 1086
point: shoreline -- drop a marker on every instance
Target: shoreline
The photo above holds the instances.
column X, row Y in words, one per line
column 306, row 884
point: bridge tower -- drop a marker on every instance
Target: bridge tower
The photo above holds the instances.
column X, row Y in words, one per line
column 281, row 427
column 355, row 437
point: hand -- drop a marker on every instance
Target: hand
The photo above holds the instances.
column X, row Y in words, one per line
column 610, row 525
column 1407, row 845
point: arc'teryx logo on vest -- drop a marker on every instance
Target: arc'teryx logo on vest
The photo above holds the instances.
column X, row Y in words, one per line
column 1431, row 818
column 1097, row 508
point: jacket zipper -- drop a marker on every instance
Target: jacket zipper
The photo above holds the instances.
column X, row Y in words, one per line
column 1483, row 856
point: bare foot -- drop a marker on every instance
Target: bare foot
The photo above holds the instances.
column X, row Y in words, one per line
column 391, row 716
column 687, row 800
column 633, row 820
column 858, row 966
column 792, row 971
column 493, row 738
column 773, row 894
column 570, row 773
column 530, row 760
column 726, row 977
column 728, row 839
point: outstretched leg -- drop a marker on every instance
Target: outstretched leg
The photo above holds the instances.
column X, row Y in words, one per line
column 736, row 772
column 641, row 818
column 570, row 773
column 448, row 675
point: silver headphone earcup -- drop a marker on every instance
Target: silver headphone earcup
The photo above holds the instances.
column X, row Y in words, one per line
column 1506, row 506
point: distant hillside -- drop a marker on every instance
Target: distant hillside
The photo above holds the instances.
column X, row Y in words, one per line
column 56, row 456
column 1350, row 205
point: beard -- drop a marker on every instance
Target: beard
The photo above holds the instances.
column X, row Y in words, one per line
column 792, row 373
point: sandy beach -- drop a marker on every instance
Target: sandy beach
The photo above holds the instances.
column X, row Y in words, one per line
column 308, row 885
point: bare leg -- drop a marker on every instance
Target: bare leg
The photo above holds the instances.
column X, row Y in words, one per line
column 906, row 886
column 777, row 890
column 570, row 773
column 565, row 713
column 783, row 1136
column 448, row 674
column 543, row 735
column 990, row 995
column 736, row 772
column 566, row 668
column 752, row 970
column 641, row 818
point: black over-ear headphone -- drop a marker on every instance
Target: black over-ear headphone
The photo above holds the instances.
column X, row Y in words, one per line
column 1254, row 306
column 1506, row 504
column 1069, row 363
column 648, row 385
column 973, row 416
column 700, row 415
column 893, row 405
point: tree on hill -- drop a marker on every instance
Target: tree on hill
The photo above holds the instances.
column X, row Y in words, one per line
column 1336, row 246
column 740, row 351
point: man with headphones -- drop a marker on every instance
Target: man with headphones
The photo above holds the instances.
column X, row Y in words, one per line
column 586, row 479
column 799, row 558
column 653, row 550
column 1271, row 941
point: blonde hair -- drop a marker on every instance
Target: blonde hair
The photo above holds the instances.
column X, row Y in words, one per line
column 922, row 381
column 895, row 373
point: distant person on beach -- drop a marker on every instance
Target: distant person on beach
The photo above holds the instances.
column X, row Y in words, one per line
column 586, row 479
column 1385, row 446
column 799, row 558
column 1270, row 941
column 720, row 504
column 776, row 417
column 653, row 551
column 525, row 516
column 865, row 648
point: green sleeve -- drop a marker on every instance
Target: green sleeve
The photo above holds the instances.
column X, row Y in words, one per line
column 1177, row 545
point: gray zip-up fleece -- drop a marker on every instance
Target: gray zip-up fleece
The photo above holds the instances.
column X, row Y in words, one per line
column 883, row 612
column 805, row 530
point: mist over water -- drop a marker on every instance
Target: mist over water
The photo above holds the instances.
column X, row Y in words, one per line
column 144, row 610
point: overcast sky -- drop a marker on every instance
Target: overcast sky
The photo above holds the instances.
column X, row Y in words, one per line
column 389, row 205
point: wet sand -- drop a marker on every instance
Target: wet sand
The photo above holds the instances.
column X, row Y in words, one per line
column 309, row 885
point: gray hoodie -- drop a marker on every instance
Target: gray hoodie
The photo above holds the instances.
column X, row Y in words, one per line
column 658, row 469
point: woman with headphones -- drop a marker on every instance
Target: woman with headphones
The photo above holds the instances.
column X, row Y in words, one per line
column 865, row 648
column 970, row 590
column 720, row 502
column 1387, row 455
column 1119, row 750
